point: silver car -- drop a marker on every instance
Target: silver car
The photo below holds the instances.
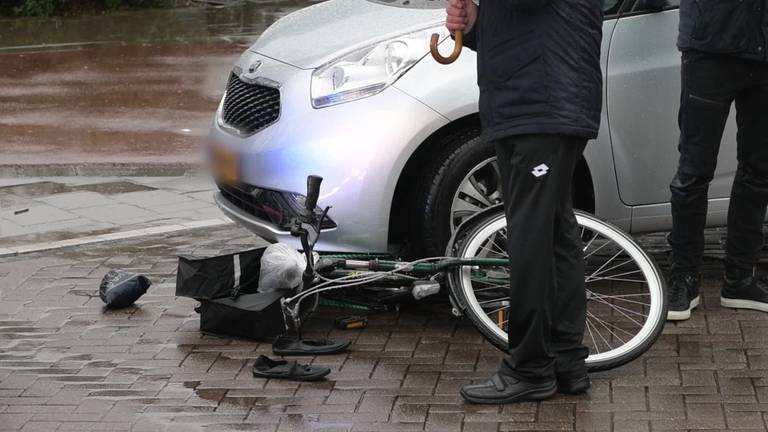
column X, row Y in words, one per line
column 345, row 89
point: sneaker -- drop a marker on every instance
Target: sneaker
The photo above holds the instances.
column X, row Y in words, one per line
column 748, row 293
column 502, row 389
column 683, row 295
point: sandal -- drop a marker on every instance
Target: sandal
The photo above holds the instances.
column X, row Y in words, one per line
column 265, row 367
column 286, row 345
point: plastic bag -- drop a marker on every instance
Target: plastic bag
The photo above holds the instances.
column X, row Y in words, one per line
column 281, row 268
column 121, row 289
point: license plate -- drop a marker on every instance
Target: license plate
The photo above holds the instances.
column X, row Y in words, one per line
column 226, row 164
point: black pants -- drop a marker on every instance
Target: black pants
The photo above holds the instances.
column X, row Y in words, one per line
column 710, row 84
column 547, row 294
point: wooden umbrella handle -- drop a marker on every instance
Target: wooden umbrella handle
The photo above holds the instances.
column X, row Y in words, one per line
column 456, row 48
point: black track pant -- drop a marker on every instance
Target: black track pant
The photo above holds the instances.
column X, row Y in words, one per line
column 547, row 294
column 710, row 84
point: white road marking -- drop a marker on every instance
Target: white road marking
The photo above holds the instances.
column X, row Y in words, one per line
column 121, row 235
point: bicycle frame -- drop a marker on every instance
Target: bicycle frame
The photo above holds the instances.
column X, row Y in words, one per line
column 307, row 227
column 420, row 269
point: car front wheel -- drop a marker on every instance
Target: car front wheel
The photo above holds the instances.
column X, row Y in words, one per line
column 460, row 180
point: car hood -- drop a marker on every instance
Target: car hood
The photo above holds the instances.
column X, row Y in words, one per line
column 315, row 35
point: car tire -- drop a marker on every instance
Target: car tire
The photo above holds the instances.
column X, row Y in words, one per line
column 437, row 186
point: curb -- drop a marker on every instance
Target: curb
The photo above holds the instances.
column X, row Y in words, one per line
column 101, row 169
column 13, row 251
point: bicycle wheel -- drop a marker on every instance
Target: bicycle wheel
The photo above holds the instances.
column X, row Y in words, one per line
column 626, row 307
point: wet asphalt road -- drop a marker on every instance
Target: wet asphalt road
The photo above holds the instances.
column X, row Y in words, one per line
column 132, row 87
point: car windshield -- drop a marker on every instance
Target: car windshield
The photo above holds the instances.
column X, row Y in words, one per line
column 414, row 4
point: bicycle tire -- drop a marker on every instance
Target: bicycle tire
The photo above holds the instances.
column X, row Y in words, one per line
column 650, row 331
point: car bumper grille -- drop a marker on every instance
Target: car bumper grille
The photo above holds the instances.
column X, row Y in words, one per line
column 250, row 108
column 276, row 207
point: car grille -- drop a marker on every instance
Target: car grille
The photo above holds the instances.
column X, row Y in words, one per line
column 277, row 207
column 250, row 108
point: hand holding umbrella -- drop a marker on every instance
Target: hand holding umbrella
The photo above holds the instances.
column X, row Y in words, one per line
column 461, row 16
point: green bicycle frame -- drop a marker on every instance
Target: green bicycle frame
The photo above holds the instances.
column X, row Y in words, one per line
column 420, row 269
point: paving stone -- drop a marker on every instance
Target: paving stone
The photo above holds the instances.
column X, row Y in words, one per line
column 117, row 213
column 68, row 364
column 74, row 200
column 35, row 215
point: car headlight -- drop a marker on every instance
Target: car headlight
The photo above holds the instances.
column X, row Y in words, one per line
column 369, row 70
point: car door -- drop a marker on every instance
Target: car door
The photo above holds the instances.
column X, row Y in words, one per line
column 643, row 85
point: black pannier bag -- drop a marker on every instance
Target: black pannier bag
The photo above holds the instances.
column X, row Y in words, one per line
column 219, row 276
column 250, row 316
column 227, row 288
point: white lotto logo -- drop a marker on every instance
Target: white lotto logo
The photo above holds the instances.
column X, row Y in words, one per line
column 540, row 170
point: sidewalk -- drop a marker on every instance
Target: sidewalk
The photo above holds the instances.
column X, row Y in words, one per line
column 35, row 212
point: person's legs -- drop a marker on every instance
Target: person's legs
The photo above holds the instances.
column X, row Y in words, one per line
column 749, row 196
column 709, row 85
column 570, row 301
column 534, row 171
column 541, row 171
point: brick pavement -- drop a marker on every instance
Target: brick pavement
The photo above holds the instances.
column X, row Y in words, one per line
column 68, row 364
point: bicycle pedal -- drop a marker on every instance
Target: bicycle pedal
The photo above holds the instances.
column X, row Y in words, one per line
column 351, row 322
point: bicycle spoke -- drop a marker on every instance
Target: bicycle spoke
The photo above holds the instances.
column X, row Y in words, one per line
column 496, row 310
column 599, row 296
column 617, row 266
column 589, row 328
column 606, row 263
column 499, row 252
column 605, row 325
column 489, row 301
column 618, row 309
column 493, row 287
column 598, row 331
column 590, row 241
column 598, row 248
column 600, row 272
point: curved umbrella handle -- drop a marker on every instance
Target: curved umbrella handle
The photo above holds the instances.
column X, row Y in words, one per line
column 456, row 48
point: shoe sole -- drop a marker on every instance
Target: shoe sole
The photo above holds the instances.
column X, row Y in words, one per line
column 531, row 395
column 313, row 377
column 743, row 304
column 575, row 388
column 684, row 315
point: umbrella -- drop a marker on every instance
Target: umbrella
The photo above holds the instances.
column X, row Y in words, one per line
column 456, row 48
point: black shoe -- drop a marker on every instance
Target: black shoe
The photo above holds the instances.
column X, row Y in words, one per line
column 748, row 293
column 501, row 389
column 573, row 386
column 683, row 295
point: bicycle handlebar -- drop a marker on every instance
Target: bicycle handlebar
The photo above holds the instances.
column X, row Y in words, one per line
column 313, row 192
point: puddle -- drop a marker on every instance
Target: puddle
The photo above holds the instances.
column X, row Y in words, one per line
column 42, row 189
column 235, row 20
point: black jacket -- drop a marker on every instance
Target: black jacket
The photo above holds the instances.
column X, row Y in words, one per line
column 538, row 66
column 735, row 27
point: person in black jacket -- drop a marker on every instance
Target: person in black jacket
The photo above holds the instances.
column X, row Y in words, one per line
column 724, row 45
column 538, row 65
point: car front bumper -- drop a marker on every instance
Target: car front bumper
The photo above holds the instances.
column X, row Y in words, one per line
column 359, row 148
